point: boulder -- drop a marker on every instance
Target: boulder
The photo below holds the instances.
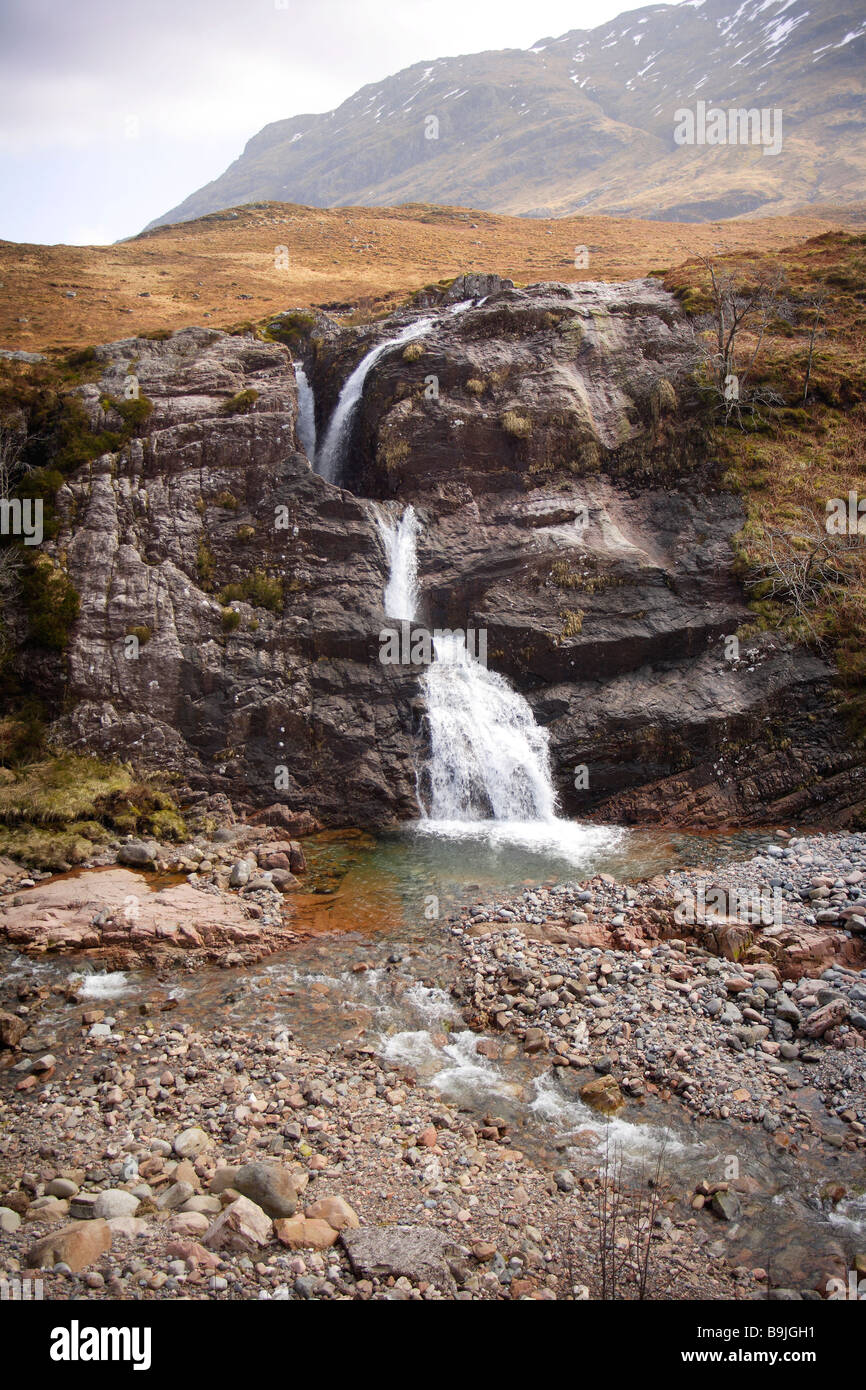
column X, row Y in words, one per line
column 77, row 1245
column 417, row 1253
column 241, row 1226
column 271, row 1186
column 603, row 1094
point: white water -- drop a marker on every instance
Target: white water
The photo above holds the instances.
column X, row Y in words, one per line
column 488, row 757
column 400, row 538
column 331, row 455
column 306, row 413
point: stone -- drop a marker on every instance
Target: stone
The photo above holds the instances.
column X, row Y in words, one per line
column 12, row 1029
column 76, row 1245
column 822, row 1020
column 139, row 854
column 335, row 1210
column 189, row 1223
column 270, row 1185
column 725, row 1205
column 115, row 1202
column 303, row 1233
column 62, row 1187
column 417, row 1253
column 175, row 1196
column 242, row 1226
column 192, row 1142
column 9, row 1220
column 603, row 1093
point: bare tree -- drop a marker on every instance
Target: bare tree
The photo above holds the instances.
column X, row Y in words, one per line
column 815, row 303
column 736, row 327
column 805, row 564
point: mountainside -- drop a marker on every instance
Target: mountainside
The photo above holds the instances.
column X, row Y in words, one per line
column 586, row 122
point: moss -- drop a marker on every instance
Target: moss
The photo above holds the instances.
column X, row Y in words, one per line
column 291, row 329
column 241, row 404
column 259, row 589
column 158, row 335
column 227, row 500
column 142, row 632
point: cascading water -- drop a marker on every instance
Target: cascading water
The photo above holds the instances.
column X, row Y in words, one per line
column 488, row 757
column 332, row 453
column 400, row 538
column 306, row 413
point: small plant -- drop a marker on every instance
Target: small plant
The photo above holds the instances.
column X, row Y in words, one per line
column 143, row 634
column 246, row 533
column 572, row 623
column 258, row 589
column 227, row 500
column 475, row 386
column 412, row 352
column 517, row 425
column 241, row 404
column 231, row 619
column 205, row 564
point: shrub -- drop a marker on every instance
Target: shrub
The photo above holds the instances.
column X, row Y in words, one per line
column 476, row 386
column 226, row 500
column 259, row 589
column 231, row 619
column 51, row 601
column 241, row 404
column 412, row 352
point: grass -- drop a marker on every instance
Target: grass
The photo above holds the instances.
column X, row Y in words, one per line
column 241, row 404
column 58, row 810
column 798, row 455
column 259, row 589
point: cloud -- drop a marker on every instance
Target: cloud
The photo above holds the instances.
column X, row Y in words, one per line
column 194, row 80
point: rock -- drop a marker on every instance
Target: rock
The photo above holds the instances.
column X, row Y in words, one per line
column 192, row 1142
column 138, row 854
column 12, row 1029
column 603, row 1094
column 175, row 1196
column 189, row 1223
column 76, row 1245
column 725, row 1205
column 130, row 1227
column 9, row 1220
column 821, row 1020
column 240, row 874
column 417, row 1253
column 222, row 1178
column 61, row 1187
column 302, row 1233
column 564, row 1179
column 335, row 1210
column 193, row 1253
column 270, row 1185
column 241, row 1226
column 115, row 1202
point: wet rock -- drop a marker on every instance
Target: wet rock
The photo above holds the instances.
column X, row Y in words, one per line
column 603, row 1094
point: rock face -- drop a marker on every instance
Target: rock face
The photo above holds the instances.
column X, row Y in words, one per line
column 557, row 457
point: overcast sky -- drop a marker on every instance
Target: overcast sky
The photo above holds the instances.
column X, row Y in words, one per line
column 112, row 111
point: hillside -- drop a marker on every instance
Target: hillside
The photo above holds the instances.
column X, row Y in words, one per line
column 585, row 122
column 222, row 269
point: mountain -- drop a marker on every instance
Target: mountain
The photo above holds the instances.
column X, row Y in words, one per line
column 586, row 123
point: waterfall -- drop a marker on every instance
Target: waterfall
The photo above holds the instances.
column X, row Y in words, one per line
column 400, row 539
column 339, row 432
column 306, row 413
column 489, row 760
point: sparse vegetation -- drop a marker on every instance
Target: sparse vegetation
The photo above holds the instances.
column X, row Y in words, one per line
column 240, row 404
column 517, row 425
column 259, row 589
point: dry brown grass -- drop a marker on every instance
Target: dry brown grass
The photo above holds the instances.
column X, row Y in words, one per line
column 221, row 271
